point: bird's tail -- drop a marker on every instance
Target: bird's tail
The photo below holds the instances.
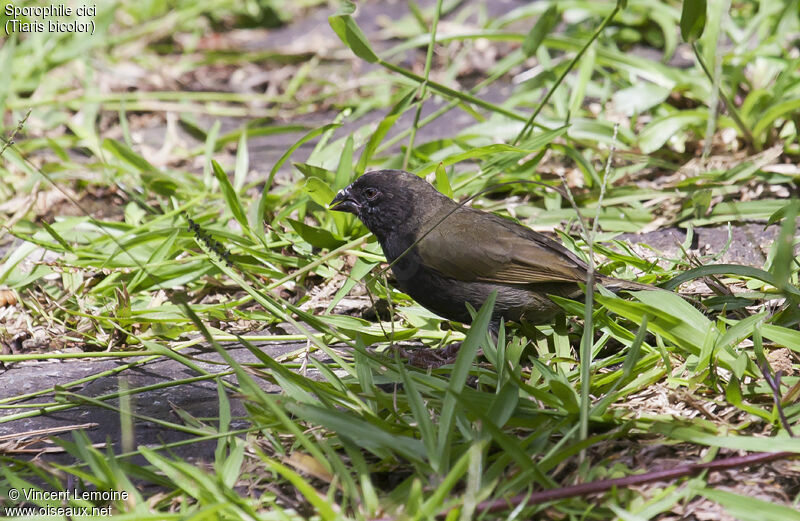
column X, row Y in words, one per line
column 624, row 285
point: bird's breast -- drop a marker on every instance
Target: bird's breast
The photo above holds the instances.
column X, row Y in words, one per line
column 403, row 256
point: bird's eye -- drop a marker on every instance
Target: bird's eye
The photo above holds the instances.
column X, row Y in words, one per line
column 370, row 193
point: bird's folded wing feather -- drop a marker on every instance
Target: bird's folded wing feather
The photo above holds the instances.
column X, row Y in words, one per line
column 473, row 246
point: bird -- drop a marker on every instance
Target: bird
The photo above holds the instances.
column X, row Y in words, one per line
column 443, row 254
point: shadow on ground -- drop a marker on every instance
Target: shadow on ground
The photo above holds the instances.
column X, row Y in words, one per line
column 199, row 399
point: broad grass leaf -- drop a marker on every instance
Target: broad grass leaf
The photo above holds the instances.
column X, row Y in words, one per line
column 383, row 128
column 667, row 316
column 315, row 171
column 775, row 111
column 676, row 306
column 782, row 336
column 661, row 129
column 242, row 163
column 55, row 235
column 160, row 183
column 504, row 404
column 784, row 247
column 419, row 410
column 442, row 182
column 230, row 195
column 639, row 98
column 121, row 151
column 369, row 436
column 726, row 269
column 315, row 236
column 585, row 70
column 350, row 33
column 458, row 378
column 749, row 508
column 160, row 253
column 319, row 191
column 694, row 434
column 566, row 394
column 729, row 211
column 230, row 468
column 733, row 393
column 345, row 169
column 693, row 19
column 543, row 26
column 371, row 332
column 739, row 331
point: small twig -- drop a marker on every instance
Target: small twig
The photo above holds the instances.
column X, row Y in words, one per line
column 584, row 489
column 10, row 140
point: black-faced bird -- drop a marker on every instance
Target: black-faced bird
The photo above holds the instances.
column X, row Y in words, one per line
column 464, row 254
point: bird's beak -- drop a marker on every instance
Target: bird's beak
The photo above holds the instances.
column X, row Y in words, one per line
column 343, row 202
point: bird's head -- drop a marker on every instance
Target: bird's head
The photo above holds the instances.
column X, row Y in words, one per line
column 385, row 199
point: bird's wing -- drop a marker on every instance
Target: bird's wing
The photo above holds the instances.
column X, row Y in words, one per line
column 475, row 246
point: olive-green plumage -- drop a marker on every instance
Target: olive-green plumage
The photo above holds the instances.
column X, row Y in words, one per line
column 464, row 254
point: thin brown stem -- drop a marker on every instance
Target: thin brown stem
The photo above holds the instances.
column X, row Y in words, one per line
column 595, row 487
